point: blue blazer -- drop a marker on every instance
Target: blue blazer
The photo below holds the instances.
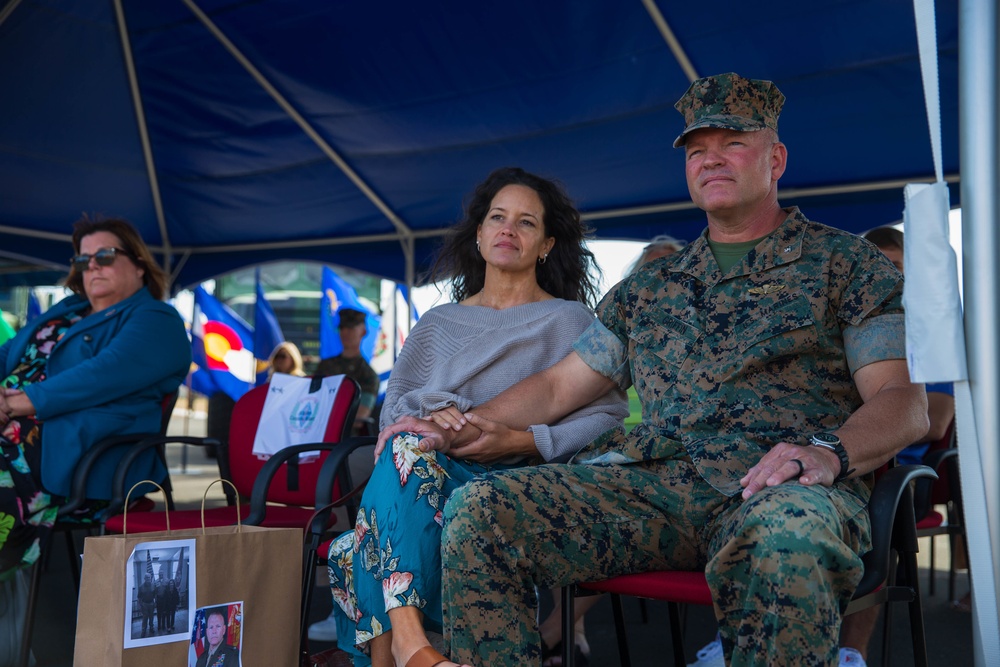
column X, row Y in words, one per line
column 107, row 376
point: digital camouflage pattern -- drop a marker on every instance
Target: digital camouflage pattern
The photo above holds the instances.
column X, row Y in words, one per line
column 725, row 365
column 731, row 102
column 728, row 365
column 781, row 597
column 356, row 368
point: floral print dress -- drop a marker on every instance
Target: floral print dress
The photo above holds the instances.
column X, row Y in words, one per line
column 27, row 511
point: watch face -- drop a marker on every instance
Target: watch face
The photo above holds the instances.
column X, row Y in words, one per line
column 826, row 439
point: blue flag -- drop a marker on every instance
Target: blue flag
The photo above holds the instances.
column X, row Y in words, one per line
column 337, row 294
column 203, row 382
column 222, row 344
column 405, row 294
column 267, row 332
column 34, row 307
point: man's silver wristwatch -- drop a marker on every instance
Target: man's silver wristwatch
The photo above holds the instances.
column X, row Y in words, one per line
column 833, row 443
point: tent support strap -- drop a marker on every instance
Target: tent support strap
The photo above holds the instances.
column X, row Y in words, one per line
column 299, row 119
column 140, row 119
column 671, row 39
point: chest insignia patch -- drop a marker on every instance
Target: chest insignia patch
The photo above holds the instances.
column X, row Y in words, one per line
column 767, row 288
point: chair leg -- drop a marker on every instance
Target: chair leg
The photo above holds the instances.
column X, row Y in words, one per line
column 616, row 605
column 644, row 610
column 310, row 561
column 887, row 614
column 568, row 629
column 930, row 576
column 74, row 566
column 676, row 634
column 29, row 615
column 951, row 566
column 916, row 612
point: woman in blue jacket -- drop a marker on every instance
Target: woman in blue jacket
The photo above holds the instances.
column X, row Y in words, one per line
column 98, row 363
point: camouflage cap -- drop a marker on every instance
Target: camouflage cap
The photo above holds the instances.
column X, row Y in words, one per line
column 351, row 318
column 731, row 102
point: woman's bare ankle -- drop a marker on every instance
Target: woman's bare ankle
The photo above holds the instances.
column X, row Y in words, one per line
column 408, row 634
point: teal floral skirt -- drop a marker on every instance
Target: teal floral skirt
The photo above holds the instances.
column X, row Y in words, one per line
column 393, row 556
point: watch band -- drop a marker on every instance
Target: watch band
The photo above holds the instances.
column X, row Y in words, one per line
column 832, row 442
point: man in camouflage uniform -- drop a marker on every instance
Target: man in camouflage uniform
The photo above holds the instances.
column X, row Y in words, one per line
column 767, row 329
column 350, row 363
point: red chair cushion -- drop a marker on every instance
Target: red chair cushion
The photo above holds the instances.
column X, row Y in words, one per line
column 932, row 520
column 277, row 517
column 672, row 586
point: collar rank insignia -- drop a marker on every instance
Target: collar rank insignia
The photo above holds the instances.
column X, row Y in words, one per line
column 767, row 288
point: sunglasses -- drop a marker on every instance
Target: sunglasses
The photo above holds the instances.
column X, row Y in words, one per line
column 103, row 257
column 281, row 356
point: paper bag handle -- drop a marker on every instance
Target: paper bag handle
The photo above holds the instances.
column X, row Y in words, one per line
column 125, row 510
column 239, row 519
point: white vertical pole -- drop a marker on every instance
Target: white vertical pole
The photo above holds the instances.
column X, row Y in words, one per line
column 979, row 127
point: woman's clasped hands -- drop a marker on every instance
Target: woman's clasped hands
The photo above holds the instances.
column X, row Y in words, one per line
column 460, row 435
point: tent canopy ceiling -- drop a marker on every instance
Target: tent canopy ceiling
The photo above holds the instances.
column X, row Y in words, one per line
column 294, row 129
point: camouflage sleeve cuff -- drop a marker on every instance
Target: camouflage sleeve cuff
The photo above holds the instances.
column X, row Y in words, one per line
column 875, row 339
column 366, row 400
column 603, row 351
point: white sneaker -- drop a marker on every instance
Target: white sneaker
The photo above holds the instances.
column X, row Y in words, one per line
column 710, row 655
column 850, row 657
column 325, row 630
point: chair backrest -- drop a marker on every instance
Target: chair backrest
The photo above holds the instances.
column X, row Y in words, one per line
column 926, row 492
column 244, row 465
column 167, row 410
column 941, row 489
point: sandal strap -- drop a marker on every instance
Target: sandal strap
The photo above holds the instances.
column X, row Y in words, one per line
column 425, row 657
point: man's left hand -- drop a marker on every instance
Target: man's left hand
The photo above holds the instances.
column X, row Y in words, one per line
column 781, row 464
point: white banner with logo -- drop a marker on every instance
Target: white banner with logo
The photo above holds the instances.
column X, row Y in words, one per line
column 293, row 415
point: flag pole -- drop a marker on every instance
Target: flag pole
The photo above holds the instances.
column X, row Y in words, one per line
column 256, row 325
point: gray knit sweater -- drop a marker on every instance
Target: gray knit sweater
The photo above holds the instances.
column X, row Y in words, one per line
column 465, row 355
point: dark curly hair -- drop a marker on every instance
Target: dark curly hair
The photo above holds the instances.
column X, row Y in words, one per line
column 135, row 249
column 568, row 273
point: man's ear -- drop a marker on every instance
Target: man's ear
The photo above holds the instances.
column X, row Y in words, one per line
column 779, row 160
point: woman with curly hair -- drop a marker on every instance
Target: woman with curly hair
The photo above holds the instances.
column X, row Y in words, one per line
column 521, row 281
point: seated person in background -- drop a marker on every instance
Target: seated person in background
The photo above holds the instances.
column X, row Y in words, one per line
column 285, row 358
column 96, row 364
column 766, row 354
column 940, row 396
column 662, row 245
column 521, row 280
column 856, row 634
column 350, row 363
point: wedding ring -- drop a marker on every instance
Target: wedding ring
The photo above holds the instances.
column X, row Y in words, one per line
column 802, row 468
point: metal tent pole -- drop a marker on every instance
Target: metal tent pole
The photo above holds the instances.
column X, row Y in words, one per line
column 979, row 129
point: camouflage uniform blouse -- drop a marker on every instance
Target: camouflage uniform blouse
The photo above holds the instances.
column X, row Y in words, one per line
column 728, row 365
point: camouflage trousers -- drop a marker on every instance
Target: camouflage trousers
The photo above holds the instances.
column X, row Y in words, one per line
column 782, row 565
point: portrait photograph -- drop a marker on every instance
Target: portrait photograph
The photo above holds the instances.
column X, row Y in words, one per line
column 159, row 593
column 216, row 636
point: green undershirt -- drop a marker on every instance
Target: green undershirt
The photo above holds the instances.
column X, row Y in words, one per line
column 728, row 255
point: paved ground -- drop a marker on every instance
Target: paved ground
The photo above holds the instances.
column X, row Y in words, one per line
column 949, row 632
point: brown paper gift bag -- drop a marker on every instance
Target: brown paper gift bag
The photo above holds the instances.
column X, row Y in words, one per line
column 252, row 573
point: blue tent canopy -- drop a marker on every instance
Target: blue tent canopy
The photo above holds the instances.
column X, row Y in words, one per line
column 234, row 132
